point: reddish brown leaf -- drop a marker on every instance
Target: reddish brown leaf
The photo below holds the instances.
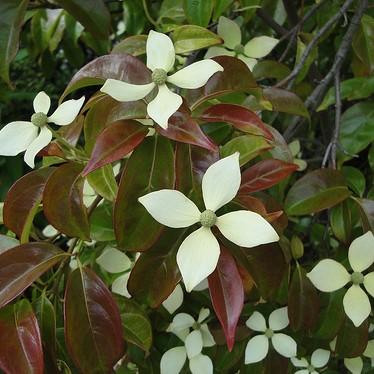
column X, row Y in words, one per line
column 227, row 294
column 265, row 174
column 22, row 265
column 185, row 129
column 63, row 201
column 115, row 142
column 238, row 116
column 22, row 200
column 93, row 328
column 21, row 346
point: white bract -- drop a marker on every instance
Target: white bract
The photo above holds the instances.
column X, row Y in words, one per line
column 175, row 300
column 32, row 136
column 198, row 254
column 173, row 360
column 160, row 60
column 257, row 47
column 329, row 275
column 258, row 346
column 318, row 360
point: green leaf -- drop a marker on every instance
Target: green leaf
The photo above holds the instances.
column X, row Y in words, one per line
column 350, row 89
column 270, row 69
column 199, row 12
column 341, row 221
column 219, row 8
column 366, row 209
column 92, row 14
column 302, row 42
column 189, row 38
column 133, row 17
column 318, row 190
column 21, row 351
column 149, row 168
column 101, row 223
column 355, row 179
column 22, row 265
column 356, row 129
column 104, row 182
column 133, row 45
column 93, row 328
column 12, row 16
column 249, row 146
column 137, row 328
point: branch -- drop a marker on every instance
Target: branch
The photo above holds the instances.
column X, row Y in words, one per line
column 271, row 22
column 318, row 93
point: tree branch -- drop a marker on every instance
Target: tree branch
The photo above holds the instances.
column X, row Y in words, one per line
column 280, row 30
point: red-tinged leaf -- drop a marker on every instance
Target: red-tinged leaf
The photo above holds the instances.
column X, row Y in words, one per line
column 115, row 142
column 238, row 116
column 366, row 209
column 303, row 302
column 236, row 77
column 149, row 168
column 227, row 294
column 201, row 160
column 21, row 346
column 156, row 273
column 185, row 129
column 280, row 149
column 93, row 329
column 116, row 66
column 265, row 174
column 22, row 265
column 22, row 201
column 63, row 201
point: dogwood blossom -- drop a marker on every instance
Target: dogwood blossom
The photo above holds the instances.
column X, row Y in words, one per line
column 32, row 136
column 257, row 47
column 160, row 60
column 175, row 300
column 329, row 275
column 258, row 346
column 318, row 360
column 198, row 254
column 173, row 360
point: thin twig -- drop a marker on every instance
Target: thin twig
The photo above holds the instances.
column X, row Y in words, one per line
column 338, row 113
column 148, row 15
column 271, row 22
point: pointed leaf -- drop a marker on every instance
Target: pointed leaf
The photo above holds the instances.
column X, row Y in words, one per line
column 149, row 168
column 22, row 265
column 265, row 174
column 115, row 142
column 22, row 201
column 63, row 201
column 227, row 294
column 93, row 327
column 21, row 348
column 366, row 209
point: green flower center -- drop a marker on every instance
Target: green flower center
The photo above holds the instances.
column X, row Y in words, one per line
column 208, row 218
column 357, row 278
column 39, row 119
column 269, row 333
column 159, row 76
column 311, row 368
column 239, row 49
column 196, row 326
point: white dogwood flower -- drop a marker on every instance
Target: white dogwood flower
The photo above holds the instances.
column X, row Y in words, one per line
column 160, row 60
column 32, row 136
column 175, row 300
column 173, row 360
column 318, row 360
column 198, row 254
column 258, row 346
column 258, row 47
column 329, row 275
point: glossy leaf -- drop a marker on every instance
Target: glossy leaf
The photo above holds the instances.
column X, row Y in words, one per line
column 249, row 147
column 318, row 190
column 22, row 265
column 12, row 17
column 239, row 117
column 270, row 69
column 185, row 129
column 303, row 302
column 115, row 66
column 133, row 45
column 21, row 348
column 341, row 221
column 285, row 101
column 156, row 273
column 93, row 329
column 90, row 13
column 104, row 183
column 22, row 201
column 198, row 12
column 227, row 294
column 236, row 77
column 101, row 223
column 366, row 209
column 149, row 168
column 137, row 328
column 188, row 38
column 265, row 174
column 115, row 142
column 63, row 201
